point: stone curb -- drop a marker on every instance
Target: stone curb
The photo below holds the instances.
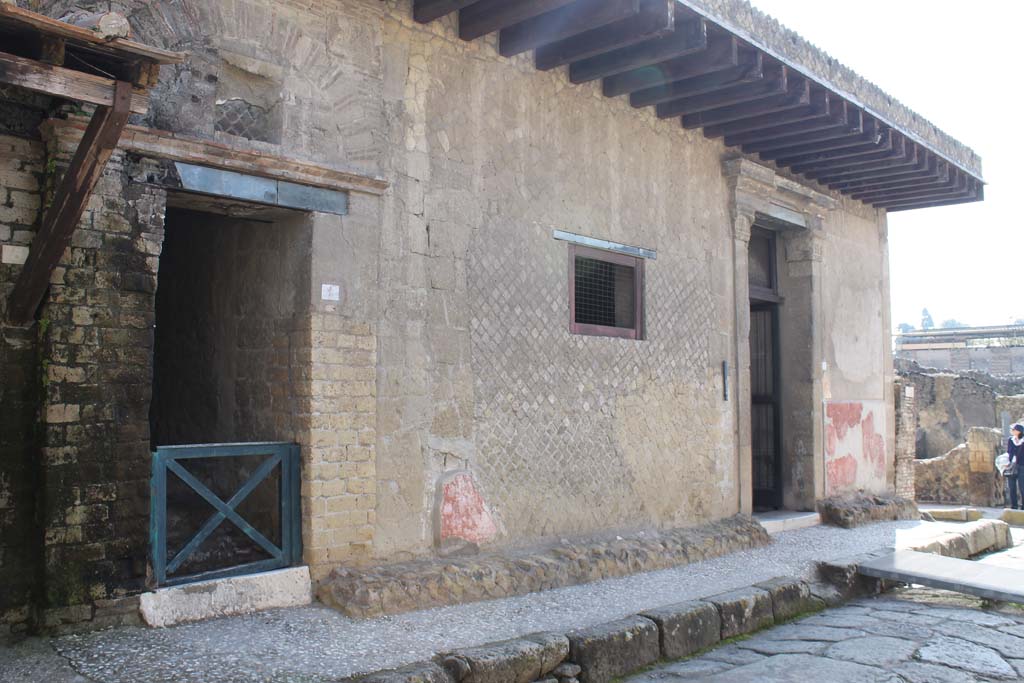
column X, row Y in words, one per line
column 1013, row 517
column 602, row 653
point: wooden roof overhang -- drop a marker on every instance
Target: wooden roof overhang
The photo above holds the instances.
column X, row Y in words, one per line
column 666, row 55
column 51, row 57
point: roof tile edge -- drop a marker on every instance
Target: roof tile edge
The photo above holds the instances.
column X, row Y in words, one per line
column 767, row 33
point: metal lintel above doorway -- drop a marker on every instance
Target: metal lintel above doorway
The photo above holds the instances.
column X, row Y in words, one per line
column 222, row 183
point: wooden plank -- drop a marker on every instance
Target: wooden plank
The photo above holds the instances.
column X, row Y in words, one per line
column 979, row 196
column 928, row 167
column 835, row 115
column 961, row 185
column 943, row 179
column 67, row 83
column 797, row 95
column 875, row 170
column 12, row 15
column 655, row 19
column 722, row 54
column 487, row 16
column 688, row 38
column 817, row 106
column 887, row 147
column 947, row 187
column 855, row 146
column 69, row 202
column 827, row 141
column 949, row 196
column 812, row 139
column 934, row 173
column 749, row 71
column 774, row 82
column 562, row 23
column 426, row 11
column 896, row 151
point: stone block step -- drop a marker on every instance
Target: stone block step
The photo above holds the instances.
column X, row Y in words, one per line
column 935, row 571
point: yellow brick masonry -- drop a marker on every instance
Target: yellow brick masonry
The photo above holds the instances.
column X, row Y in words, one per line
column 338, row 432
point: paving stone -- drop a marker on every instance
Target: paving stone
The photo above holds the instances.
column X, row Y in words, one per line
column 801, row 630
column 686, row 628
column 1004, row 643
column 897, row 629
column 971, row 616
column 873, row 650
column 801, row 669
column 566, row 670
column 611, row 650
column 907, row 617
column 840, row 620
column 919, row 672
column 681, row 671
column 783, row 647
column 961, row 654
column 743, row 611
column 731, row 654
column 1017, row 664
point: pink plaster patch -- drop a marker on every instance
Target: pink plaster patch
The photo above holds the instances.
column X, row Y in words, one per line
column 874, row 445
column 842, row 472
column 831, row 440
column 844, row 416
column 463, row 514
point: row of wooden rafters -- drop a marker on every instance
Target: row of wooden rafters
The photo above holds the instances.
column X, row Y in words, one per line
column 661, row 54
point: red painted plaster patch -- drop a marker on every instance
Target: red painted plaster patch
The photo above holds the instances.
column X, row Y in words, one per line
column 874, row 445
column 844, row 416
column 842, row 473
column 831, row 440
column 463, row 514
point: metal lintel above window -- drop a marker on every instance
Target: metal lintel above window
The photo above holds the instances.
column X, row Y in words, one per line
column 595, row 243
column 261, row 190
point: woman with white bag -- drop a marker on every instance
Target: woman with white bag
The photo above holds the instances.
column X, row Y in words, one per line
column 1015, row 449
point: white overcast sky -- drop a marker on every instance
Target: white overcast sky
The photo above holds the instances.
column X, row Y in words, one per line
column 960, row 65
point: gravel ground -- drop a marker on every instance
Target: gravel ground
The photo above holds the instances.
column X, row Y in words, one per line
column 318, row 644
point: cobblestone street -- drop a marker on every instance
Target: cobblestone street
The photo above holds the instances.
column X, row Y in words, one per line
column 912, row 635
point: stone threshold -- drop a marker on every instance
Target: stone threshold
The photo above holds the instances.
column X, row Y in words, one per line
column 606, row 652
column 787, row 520
column 440, row 582
column 224, row 597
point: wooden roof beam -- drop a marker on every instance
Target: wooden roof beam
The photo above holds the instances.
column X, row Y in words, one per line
column 750, row 70
column 845, row 137
column 890, row 146
column 722, row 54
column 875, row 170
column 797, row 95
column 425, row 11
column 487, row 16
column 957, row 187
column 818, row 106
column 967, row 194
column 67, row 83
column 69, row 202
column 773, row 82
column 976, row 197
column 948, row 181
column 689, row 36
column 927, row 168
column 656, row 18
column 835, row 115
column 935, row 173
column 562, row 23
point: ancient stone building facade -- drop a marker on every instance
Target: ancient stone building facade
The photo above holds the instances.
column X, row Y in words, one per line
column 421, row 336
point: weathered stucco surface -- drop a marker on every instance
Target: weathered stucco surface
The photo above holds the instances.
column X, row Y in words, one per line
column 449, row 347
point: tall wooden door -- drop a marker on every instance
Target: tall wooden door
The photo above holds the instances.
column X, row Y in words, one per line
column 764, row 390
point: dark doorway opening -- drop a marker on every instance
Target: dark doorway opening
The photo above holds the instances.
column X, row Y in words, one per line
column 765, row 414
column 765, row 389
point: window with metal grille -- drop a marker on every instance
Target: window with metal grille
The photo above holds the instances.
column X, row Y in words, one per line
column 606, row 293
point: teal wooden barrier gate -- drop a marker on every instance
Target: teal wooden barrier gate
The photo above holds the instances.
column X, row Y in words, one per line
column 169, row 459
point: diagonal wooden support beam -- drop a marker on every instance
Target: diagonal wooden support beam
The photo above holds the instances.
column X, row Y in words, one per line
column 562, row 23
column 425, row 11
column 488, row 16
column 69, row 202
column 655, row 19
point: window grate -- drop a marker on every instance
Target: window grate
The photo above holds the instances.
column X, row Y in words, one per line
column 605, row 293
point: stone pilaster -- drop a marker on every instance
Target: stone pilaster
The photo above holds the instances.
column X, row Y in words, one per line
column 742, row 226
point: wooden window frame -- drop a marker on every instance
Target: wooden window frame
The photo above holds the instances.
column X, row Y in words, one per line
column 637, row 264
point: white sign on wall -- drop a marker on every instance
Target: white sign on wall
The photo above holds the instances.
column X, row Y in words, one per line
column 330, row 292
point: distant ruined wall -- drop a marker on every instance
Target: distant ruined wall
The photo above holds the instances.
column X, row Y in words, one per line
column 966, row 475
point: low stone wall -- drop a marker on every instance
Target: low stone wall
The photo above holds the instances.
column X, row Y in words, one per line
column 603, row 653
column 966, row 475
column 857, row 510
column 437, row 582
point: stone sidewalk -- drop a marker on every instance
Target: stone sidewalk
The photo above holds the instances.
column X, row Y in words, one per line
column 316, row 644
column 908, row 636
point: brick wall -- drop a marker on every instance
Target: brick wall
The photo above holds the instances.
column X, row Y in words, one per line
column 22, row 163
column 906, row 434
column 97, row 334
